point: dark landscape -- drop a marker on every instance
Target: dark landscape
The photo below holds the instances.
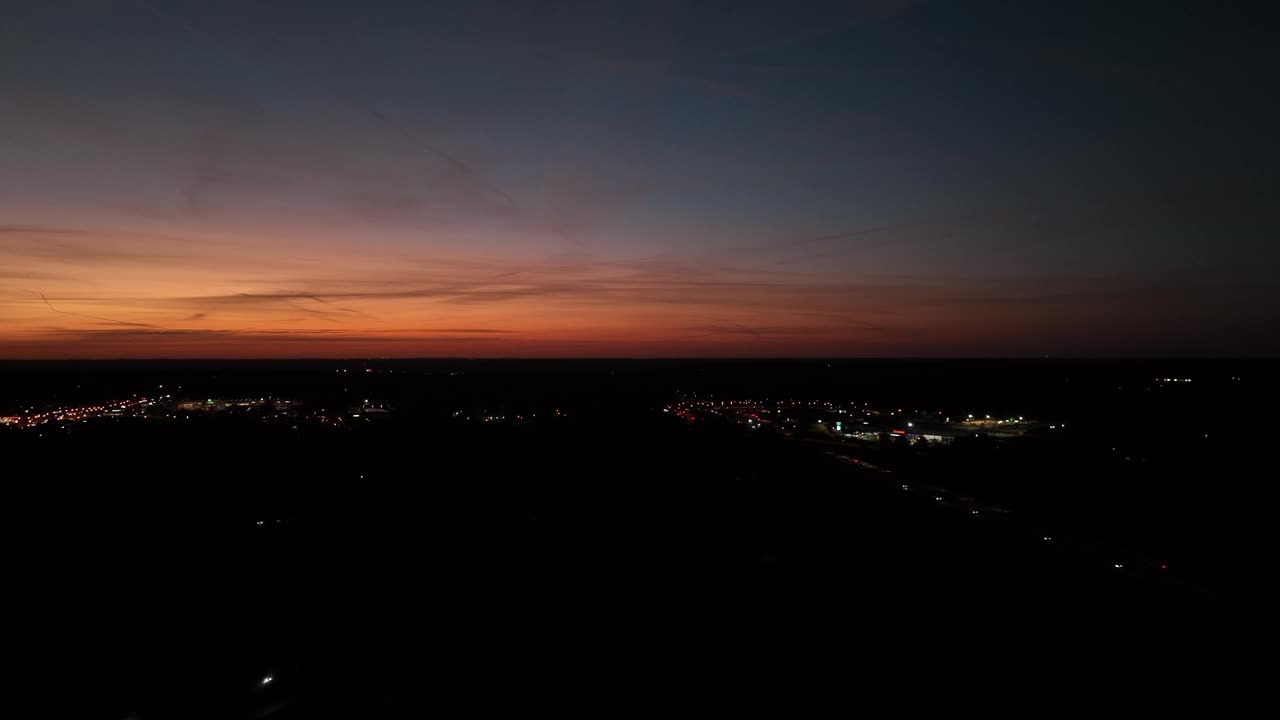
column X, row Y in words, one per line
column 414, row 559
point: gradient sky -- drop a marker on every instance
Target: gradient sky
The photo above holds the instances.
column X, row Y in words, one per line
column 360, row 179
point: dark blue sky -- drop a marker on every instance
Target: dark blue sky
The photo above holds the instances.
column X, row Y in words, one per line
column 699, row 178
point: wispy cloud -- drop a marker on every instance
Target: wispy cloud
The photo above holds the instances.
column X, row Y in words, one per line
column 35, row 230
column 92, row 317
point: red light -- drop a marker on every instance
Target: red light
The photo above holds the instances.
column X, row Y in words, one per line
column 1164, row 567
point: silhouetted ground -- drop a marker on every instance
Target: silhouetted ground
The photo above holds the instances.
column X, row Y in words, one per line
column 481, row 567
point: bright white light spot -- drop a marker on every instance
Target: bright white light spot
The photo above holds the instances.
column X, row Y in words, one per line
column 267, row 680
column 1119, row 565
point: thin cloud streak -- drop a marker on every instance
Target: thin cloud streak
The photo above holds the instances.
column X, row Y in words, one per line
column 92, row 317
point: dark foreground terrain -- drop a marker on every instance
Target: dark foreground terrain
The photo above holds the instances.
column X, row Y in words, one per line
column 229, row 567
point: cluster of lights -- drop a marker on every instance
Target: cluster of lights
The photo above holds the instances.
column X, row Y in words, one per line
column 756, row 413
column 75, row 414
column 486, row 418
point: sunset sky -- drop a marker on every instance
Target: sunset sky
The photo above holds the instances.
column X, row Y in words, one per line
column 534, row 179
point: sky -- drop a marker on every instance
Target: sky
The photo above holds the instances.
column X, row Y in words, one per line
column 649, row 179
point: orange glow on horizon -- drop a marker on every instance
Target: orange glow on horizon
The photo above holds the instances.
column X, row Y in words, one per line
column 76, row 293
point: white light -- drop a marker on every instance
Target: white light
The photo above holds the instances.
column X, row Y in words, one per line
column 1119, row 565
column 910, row 425
column 267, row 680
